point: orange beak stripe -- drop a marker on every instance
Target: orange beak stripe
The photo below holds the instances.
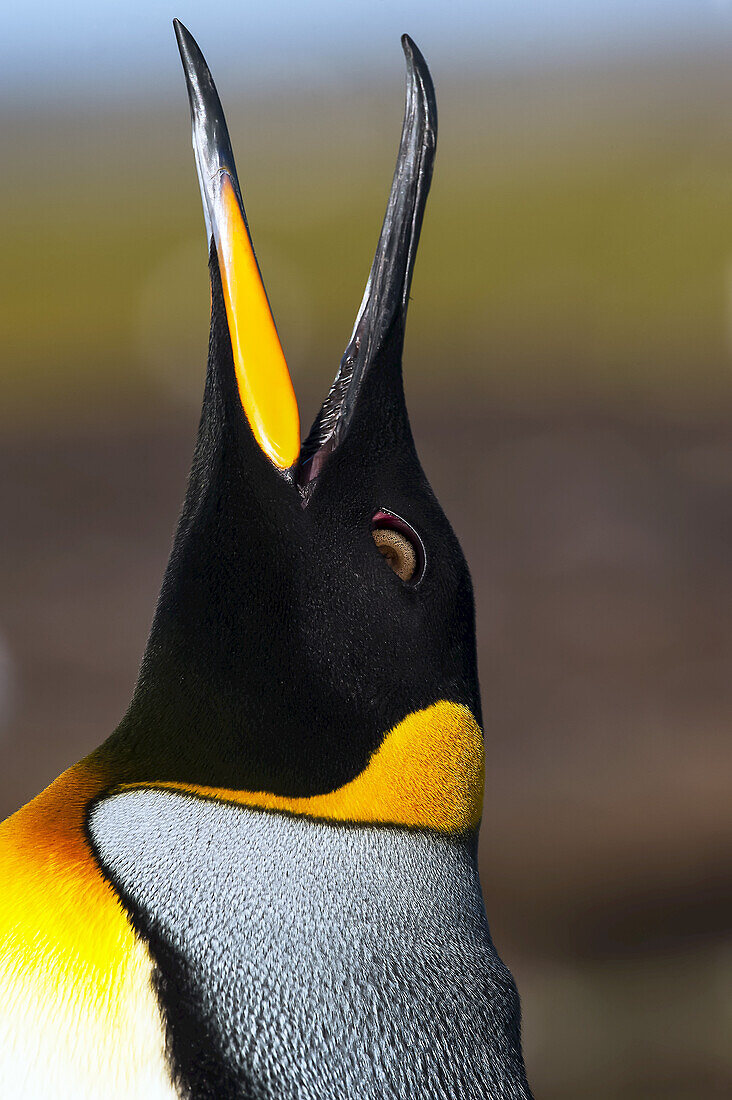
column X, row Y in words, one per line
column 265, row 388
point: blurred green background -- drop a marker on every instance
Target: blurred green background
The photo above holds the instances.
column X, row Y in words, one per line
column 569, row 371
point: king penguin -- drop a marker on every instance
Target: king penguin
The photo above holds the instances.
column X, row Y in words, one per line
column 264, row 884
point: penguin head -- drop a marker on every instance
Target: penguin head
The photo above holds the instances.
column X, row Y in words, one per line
column 316, row 602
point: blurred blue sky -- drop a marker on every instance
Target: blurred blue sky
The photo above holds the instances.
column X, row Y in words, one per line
column 53, row 49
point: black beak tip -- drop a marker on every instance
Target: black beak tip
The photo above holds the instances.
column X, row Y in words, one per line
column 420, row 80
column 198, row 76
column 210, row 133
column 191, row 56
column 413, row 54
column 182, row 34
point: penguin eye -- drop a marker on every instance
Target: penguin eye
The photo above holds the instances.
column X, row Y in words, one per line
column 398, row 552
column 400, row 545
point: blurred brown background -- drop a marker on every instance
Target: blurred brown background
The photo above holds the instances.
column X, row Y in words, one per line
column 569, row 371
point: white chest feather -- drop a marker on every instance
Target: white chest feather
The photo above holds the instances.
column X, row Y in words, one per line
column 328, row 960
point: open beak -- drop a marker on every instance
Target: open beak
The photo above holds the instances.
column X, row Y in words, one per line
column 265, row 388
column 374, row 351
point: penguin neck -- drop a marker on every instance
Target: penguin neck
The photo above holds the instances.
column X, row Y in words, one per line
column 427, row 772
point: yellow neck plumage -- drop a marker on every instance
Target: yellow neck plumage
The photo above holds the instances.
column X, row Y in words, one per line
column 428, row 773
